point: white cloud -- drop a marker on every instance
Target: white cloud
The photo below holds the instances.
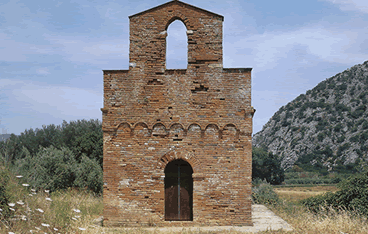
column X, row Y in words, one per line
column 267, row 49
column 34, row 105
column 42, row 71
column 82, row 50
column 351, row 5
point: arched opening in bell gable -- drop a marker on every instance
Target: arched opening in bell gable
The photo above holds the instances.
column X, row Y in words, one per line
column 176, row 46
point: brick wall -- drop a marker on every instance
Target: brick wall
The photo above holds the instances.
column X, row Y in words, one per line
column 152, row 116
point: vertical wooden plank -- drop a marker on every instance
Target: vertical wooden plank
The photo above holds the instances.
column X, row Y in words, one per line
column 178, row 191
column 186, row 193
column 171, row 192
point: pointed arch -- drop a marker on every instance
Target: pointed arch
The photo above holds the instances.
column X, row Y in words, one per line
column 174, row 18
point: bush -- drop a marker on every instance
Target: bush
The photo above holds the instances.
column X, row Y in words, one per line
column 264, row 194
column 358, row 112
column 353, row 196
column 55, row 169
column 4, row 193
column 82, row 137
column 89, row 175
column 338, row 127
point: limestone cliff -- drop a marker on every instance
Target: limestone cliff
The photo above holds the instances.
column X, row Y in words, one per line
column 327, row 127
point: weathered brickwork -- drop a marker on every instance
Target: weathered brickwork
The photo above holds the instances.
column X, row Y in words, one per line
column 153, row 116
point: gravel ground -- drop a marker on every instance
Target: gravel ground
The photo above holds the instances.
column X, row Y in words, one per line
column 263, row 219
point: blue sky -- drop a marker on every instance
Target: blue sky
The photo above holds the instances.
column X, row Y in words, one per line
column 52, row 53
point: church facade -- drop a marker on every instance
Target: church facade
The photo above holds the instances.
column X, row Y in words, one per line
column 177, row 142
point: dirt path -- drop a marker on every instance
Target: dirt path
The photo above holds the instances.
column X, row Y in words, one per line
column 263, row 219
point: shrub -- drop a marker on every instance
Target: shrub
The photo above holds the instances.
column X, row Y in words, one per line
column 341, row 139
column 363, row 137
column 365, row 125
column 4, row 193
column 338, row 127
column 55, row 169
column 358, row 112
column 89, row 175
column 321, row 136
column 354, row 138
column 341, row 108
column 264, row 194
column 353, row 196
column 321, row 125
column 80, row 136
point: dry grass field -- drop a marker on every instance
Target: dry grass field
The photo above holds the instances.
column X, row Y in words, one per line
column 295, row 194
column 74, row 212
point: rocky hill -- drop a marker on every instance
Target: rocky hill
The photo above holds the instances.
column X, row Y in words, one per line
column 325, row 128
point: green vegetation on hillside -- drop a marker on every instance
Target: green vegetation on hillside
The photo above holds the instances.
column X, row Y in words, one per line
column 324, row 130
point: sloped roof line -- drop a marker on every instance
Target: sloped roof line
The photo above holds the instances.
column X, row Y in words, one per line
column 162, row 5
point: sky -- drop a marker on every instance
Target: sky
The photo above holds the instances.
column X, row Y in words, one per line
column 52, row 53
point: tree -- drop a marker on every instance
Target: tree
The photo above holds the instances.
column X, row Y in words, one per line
column 267, row 166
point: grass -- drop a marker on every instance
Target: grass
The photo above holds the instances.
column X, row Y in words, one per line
column 295, row 194
column 34, row 211
column 60, row 213
column 329, row 221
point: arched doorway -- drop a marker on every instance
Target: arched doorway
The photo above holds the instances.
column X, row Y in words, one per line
column 178, row 191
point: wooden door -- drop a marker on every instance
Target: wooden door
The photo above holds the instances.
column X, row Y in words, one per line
column 178, row 191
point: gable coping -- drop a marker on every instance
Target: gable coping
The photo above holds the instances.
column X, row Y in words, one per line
column 176, row 1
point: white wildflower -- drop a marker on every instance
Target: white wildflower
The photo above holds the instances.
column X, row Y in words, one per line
column 33, row 190
column 1, row 209
column 76, row 210
column 11, row 204
column 25, row 185
column 20, row 202
column 30, row 195
column 24, row 218
column 48, row 199
column 74, row 218
column 47, row 191
column 39, row 210
column 77, row 216
column 83, row 229
column 11, row 233
column 56, row 229
column 38, row 228
column 19, row 176
column 11, row 209
column 45, row 225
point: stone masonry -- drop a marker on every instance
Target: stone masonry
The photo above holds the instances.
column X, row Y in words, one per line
column 153, row 116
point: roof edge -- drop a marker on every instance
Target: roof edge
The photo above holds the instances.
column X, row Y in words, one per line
column 162, row 5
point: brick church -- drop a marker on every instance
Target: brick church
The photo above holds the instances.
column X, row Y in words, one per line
column 177, row 142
